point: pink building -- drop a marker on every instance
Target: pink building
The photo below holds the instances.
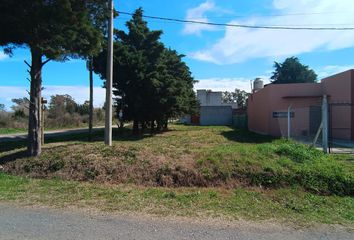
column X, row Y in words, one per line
column 267, row 108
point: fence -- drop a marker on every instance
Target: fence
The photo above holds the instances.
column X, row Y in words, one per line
column 309, row 125
column 300, row 123
column 239, row 118
column 341, row 127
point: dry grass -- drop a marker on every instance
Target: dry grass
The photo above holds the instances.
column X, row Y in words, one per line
column 188, row 171
column 189, row 156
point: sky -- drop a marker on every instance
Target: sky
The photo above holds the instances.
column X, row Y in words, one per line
column 220, row 58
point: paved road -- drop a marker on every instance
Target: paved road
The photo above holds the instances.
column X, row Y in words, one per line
column 41, row 223
column 54, row 133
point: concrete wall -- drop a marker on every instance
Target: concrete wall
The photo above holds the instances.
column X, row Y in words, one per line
column 209, row 98
column 215, row 115
column 340, row 88
column 277, row 98
column 186, row 119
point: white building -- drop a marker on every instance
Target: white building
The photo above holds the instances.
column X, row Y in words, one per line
column 212, row 110
column 210, row 98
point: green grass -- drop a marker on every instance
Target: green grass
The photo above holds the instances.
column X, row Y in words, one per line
column 189, row 156
column 188, row 171
column 281, row 163
column 284, row 205
column 4, row 131
column 12, row 130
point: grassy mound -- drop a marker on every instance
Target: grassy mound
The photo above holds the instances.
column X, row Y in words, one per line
column 192, row 156
column 281, row 163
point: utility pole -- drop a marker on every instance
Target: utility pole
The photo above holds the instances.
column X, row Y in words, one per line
column 108, row 123
column 325, row 124
column 90, row 67
column 289, row 122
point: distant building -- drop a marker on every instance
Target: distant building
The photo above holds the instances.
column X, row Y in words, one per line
column 212, row 109
column 210, row 98
column 268, row 107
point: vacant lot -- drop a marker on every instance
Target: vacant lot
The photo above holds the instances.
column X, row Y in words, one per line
column 216, row 169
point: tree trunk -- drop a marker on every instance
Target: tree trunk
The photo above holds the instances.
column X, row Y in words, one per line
column 143, row 127
column 34, row 124
column 165, row 125
column 159, row 125
column 135, row 127
column 91, row 99
column 152, row 127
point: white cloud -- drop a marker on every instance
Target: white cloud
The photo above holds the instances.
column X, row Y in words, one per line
column 229, row 84
column 198, row 14
column 3, row 56
column 240, row 44
column 330, row 70
column 226, row 84
column 79, row 93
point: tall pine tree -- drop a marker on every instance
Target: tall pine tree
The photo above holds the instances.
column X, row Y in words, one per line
column 152, row 83
column 52, row 30
column 292, row 71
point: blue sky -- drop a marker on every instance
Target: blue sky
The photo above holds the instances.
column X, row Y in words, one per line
column 220, row 58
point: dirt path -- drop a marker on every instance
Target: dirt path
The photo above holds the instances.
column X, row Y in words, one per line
column 43, row 223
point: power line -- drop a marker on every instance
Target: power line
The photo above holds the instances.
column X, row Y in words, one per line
column 290, row 14
column 283, row 25
column 290, row 25
column 243, row 25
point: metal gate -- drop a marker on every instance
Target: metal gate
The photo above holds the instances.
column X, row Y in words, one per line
column 341, row 128
column 315, row 119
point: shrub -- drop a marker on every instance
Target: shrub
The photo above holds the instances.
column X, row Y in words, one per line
column 56, row 165
column 91, row 174
column 298, row 152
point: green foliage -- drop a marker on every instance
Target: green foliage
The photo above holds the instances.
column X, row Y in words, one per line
column 61, row 104
column 19, row 114
column 298, row 152
column 153, row 83
column 55, row 29
column 292, row 71
column 290, row 205
column 191, row 156
column 277, row 164
column 63, row 111
column 56, row 165
column 20, row 106
column 83, row 109
column 238, row 96
column 91, row 173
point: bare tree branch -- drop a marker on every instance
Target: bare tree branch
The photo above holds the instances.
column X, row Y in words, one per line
column 46, row 61
column 29, row 65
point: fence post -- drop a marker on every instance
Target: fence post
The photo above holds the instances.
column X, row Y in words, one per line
column 325, row 124
column 289, row 122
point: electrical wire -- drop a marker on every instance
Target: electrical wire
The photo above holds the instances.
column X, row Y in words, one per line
column 244, row 25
